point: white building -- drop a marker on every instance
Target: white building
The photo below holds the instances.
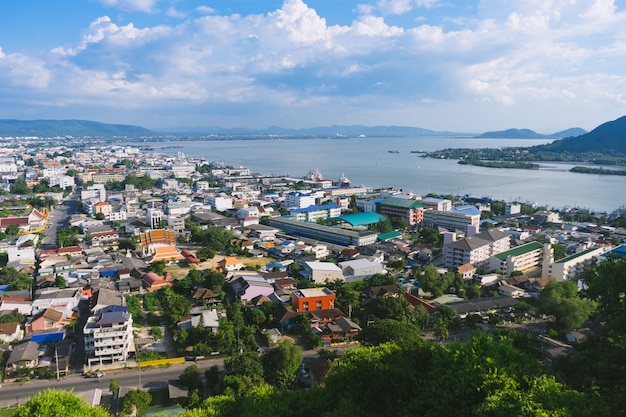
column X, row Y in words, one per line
column 321, row 271
column 96, row 191
column 360, row 269
column 476, row 250
column 154, row 216
column 298, row 199
column 108, row 337
column 511, row 209
column 220, row 202
column 571, row 267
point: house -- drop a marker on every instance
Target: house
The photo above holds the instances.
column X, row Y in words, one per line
column 103, row 297
column 209, row 319
column 249, row 287
column 206, row 295
column 10, row 332
column 466, row 271
column 511, row 291
column 341, row 328
column 23, row 355
column 63, row 300
column 70, row 251
column 308, row 299
column 383, row 291
column 230, row 263
column 153, row 282
column 50, row 319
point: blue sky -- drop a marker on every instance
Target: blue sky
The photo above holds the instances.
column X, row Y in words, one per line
column 464, row 66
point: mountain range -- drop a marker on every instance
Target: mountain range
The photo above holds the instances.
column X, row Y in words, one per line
column 531, row 134
column 609, row 137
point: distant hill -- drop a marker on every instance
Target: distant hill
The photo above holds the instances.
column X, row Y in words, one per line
column 323, row 131
column 609, row 137
column 75, row 128
column 531, row 134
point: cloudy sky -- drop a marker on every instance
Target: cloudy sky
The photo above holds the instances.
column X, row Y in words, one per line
column 459, row 65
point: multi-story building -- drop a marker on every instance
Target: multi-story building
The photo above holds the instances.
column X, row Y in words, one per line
column 335, row 235
column 219, row 202
column 313, row 213
column 573, row 266
column 108, row 336
column 406, row 208
column 451, row 219
column 297, row 199
column 522, row 258
column 312, row 299
column 476, row 250
column 440, row 204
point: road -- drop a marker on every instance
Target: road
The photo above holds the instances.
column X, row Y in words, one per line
column 12, row 393
column 59, row 218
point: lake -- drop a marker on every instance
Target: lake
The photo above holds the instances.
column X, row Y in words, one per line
column 383, row 162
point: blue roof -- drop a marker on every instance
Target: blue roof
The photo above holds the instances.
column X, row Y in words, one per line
column 313, row 208
column 467, row 210
column 619, row 251
column 48, row 337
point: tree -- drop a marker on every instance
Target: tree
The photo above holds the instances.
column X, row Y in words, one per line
column 281, row 363
column 60, row 282
column 15, row 280
column 135, row 400
column 158, row 267
column 607, row 286
column 191, row 378
column 12, row 317
column 54, row 403
column 19, row 186
column 388, row 330
column 114, row 385
column 248, row 364
column 561, row 300
column 127, row 244
column 100, row 216
column 12, row 230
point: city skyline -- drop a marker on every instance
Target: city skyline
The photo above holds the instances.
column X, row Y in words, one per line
column 457, row 66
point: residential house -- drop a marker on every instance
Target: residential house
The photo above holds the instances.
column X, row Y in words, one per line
column 248, row 287
column 50, row 319
column 10, row 332
column 209, row 319
column 63, row 300
column 230, row 263
column 23, row 355
column 466, row 271
column 511, row 291
column 153, row 282
column 308, row 299
column 384, row 291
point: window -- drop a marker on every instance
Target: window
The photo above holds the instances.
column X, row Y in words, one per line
column 318, row 305
column 305, row 306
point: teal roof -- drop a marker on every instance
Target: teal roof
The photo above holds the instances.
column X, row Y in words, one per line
column 388, row 235
column 405, row 203
column 361, row 219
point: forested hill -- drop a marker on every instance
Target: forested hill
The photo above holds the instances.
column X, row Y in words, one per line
column 76, row 128
column 531, row 134
column 608, row 138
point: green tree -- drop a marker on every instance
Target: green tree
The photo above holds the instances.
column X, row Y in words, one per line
column 561, row 300
column 135, row 400
column 114, row 385
column 12, row 317
column 54, row 403
column 247, row 364
column 60, row 282
column 607, row 285
column 19, row 186
column 191, row 378
column 12, row 230
column 15, row 280
column 158, row 267
column 388, row 330
column 281, row 363
column 127, row 244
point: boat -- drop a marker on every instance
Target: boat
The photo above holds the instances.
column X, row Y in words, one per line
column 344, row 181
column 314, row 176
column 393, row 151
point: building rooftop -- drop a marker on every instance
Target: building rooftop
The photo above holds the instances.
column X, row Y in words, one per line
column 520, row 250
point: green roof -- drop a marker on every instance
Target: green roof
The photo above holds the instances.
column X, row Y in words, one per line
column 388, row 235
column 574, row 256
column 406, row 203
column 361, row 219
column 520, row 250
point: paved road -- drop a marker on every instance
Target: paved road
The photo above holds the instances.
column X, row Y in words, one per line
column 12, row 393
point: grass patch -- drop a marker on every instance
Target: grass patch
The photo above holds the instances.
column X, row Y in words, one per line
column 9, row 411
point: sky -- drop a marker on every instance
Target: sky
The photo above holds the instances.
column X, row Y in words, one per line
column 455, row 65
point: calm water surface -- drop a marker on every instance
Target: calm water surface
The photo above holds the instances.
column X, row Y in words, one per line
column 368, row 161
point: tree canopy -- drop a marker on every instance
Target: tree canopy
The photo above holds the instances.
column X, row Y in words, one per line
column 53, row 403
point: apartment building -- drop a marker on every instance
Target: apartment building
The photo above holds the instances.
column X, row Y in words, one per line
column 522, row 258
column 108, row 336
column 476, row 250
column 409, row 209
column 571, row 267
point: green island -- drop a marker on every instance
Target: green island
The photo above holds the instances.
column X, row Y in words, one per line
column 599, row 171
column 499, row 164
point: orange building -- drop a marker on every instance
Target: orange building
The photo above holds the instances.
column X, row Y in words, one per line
column 312, row 299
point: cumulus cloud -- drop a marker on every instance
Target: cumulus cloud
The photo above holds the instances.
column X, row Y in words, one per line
column 508, row 53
